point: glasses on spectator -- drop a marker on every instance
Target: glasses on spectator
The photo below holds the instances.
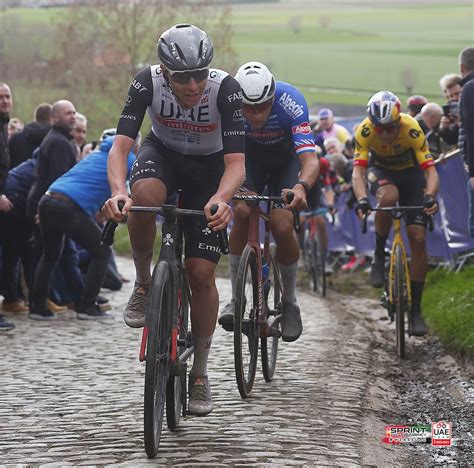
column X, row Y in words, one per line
column 183, row 77
column 387, row 128
column 264, row 106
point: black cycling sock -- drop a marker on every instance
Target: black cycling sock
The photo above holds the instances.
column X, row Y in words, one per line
column 416, row 293
column 380, row 242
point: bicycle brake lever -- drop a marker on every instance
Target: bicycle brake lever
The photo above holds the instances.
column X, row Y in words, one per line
column 107, row 237
column 296, row 218
column 430, row 223
column 363, row 223
column 223, row 237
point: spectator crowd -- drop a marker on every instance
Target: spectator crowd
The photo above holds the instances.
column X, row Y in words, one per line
column 53, row 183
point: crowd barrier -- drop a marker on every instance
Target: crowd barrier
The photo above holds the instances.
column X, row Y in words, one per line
column 450, row 235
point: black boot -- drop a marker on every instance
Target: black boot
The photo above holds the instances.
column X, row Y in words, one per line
column 377, row 270
column 418, row 326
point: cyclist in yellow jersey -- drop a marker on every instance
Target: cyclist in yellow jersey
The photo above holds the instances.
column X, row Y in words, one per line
column 393, row 157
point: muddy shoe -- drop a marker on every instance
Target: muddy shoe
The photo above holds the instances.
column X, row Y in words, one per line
column 226, row 317
column 134, row 314
column 377, row 273
column 418, row 325
column 291, row 325
column 200, row 398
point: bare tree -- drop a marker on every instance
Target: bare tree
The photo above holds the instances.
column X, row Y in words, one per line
column 102, row 46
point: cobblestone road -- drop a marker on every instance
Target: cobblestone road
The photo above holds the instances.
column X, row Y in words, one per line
column 72, row 393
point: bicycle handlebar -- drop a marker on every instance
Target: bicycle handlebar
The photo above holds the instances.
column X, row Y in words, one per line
column 109, row 229
column 258, row 198
column 396, row 212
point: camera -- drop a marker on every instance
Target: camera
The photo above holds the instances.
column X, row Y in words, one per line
column 451, row 110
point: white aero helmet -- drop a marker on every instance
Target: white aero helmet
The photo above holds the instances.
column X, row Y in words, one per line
column 257, row 83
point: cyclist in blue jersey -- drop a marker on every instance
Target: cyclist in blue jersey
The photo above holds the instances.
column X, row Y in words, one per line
column 280, row 155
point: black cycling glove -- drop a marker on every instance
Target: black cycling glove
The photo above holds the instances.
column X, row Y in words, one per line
column 429, row 201
column 363, row 205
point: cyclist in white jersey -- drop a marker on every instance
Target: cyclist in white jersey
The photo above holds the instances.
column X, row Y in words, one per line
column 196, row 144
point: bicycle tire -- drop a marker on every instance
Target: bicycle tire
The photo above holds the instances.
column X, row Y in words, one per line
column 176, row 391
column 157, row 368
column 399, row 301
column 269, row 345
column 319, row 268
column 246, row 327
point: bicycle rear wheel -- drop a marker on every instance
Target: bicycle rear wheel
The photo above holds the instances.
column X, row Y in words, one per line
column 176, row 391
column 269, row 344
column 246, row 328
column 399, row 301
column 159, row 323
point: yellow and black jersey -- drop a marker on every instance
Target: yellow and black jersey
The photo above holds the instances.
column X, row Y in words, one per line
column 408, row 149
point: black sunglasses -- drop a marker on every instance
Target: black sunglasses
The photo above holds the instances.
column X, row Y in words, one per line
column 183, row 77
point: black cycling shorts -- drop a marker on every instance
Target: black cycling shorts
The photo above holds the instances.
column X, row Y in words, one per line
column 410, row 184
column 198, row 176
column 266, row 167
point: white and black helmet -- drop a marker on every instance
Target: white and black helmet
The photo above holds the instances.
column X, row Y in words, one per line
column 257, row 83
column 185, row 47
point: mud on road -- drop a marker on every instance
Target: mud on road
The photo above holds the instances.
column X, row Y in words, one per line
column 428, row 386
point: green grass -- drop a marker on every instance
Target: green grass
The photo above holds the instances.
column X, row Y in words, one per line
column 448, row 306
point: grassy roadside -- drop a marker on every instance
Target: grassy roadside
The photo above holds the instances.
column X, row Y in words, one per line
column 448, row 301
column 448, row 306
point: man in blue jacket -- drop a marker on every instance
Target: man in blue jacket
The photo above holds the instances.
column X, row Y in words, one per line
column 68, row 208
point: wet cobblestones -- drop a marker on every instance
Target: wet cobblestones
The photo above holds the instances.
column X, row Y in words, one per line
column 72, row 394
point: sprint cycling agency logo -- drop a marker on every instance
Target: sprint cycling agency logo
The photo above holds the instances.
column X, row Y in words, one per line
column 438, row 434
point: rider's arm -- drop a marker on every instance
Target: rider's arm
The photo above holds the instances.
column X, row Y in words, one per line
column 140, row 96
column 432, row 181
column 305, row 148
column 361, row 159
column 359, row 182
column 229, row 103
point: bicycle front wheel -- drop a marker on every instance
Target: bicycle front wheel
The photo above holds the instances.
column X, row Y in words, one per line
column 399, row 289
column 176, row 391
column 269, row 344
column 157, row 369
column 246, row 328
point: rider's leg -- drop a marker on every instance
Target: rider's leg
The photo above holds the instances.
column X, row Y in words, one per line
column 387, row 195
column 204, row 305
column 142, row 226
column 142, row 231
column 418, row 268
column 287, row 252
column 323, row 233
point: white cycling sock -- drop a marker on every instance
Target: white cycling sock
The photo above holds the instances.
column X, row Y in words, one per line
column 202, row 346
column 142, row 262
column 234, row 269
column 288, row 278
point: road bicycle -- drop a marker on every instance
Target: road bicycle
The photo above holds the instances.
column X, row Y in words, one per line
column 167, row 342
column 397, row 294
column 314, row 254
column 257, row 313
